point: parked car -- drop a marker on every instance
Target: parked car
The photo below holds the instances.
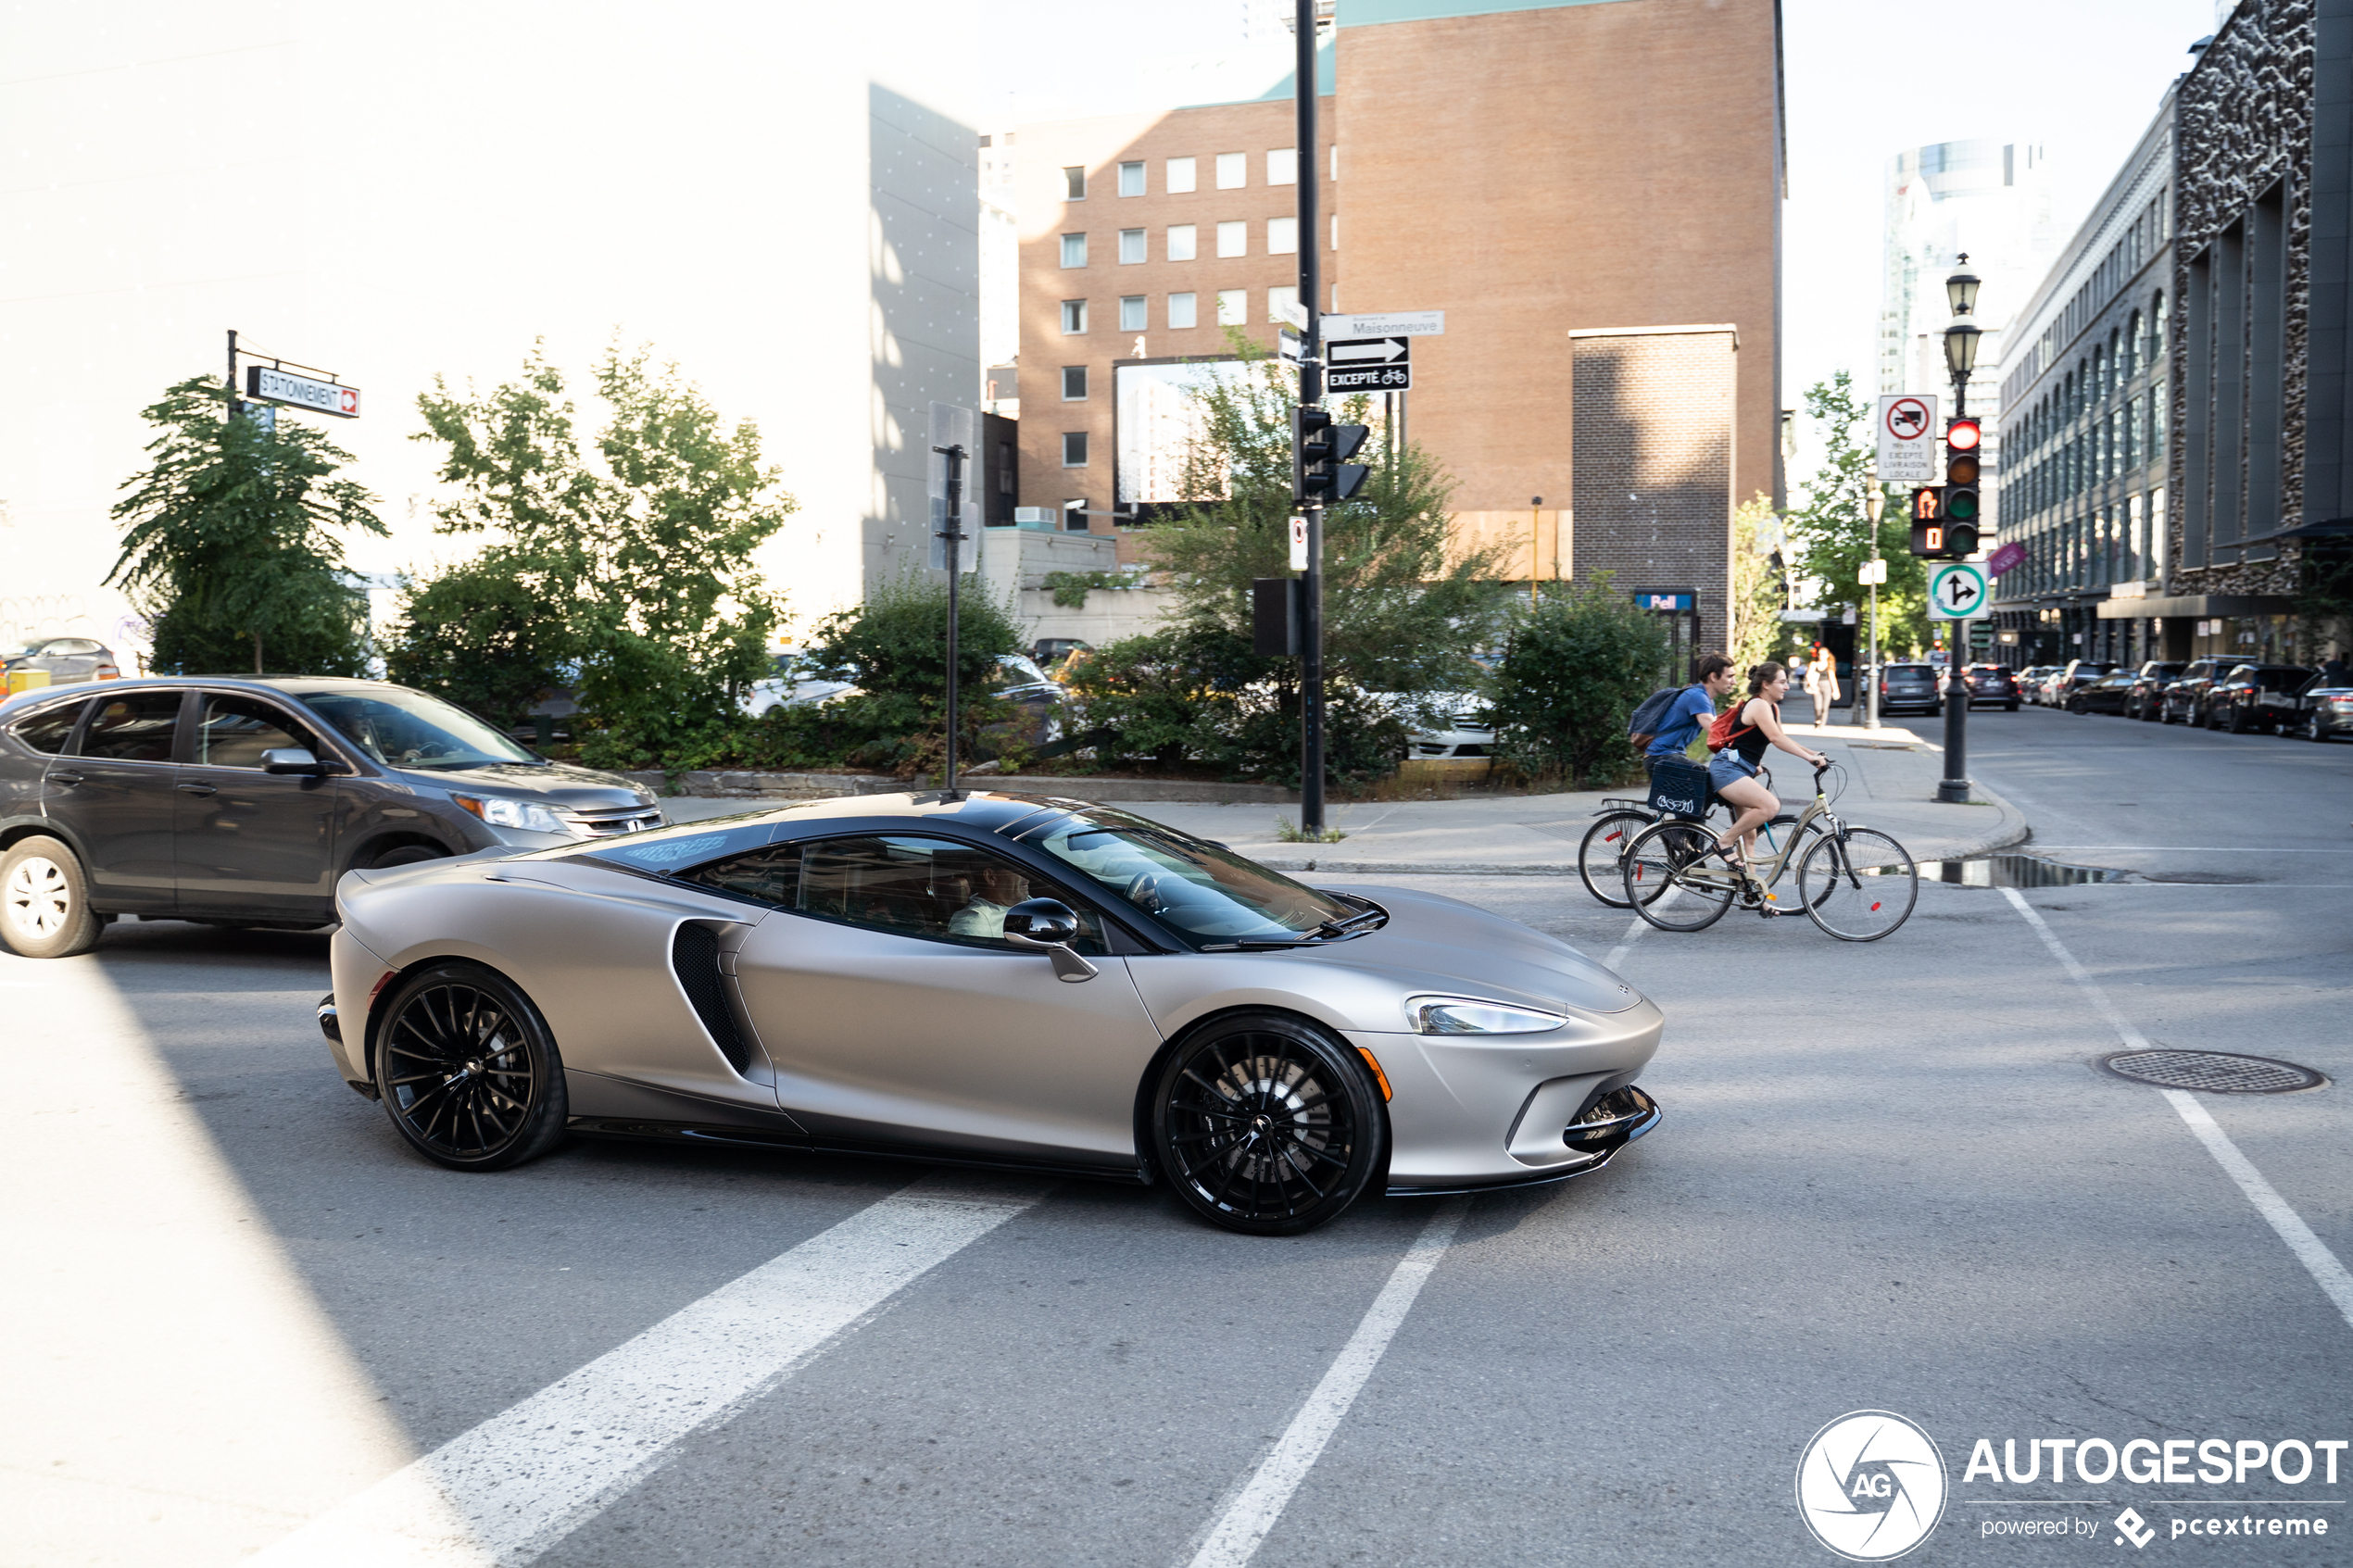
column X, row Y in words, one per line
column 240, row 802
column 2079, row 673
column 998, row 978
column 1909, row 685
column 1992, row 682
column 790, row 683
column 67, row 659
column 2031, row 679
column 2328, row 711
column 2184, row 701
column 1464, row 729
column 2259, row 697
column 1049, row 652
column 2106, row 695
column 2146, row 698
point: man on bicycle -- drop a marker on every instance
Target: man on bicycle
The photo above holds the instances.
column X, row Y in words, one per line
column 1691, row 712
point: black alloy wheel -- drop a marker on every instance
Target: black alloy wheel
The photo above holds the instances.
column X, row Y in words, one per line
column 2312, row 730
column 468, row 1070
column 2235, row 720
column 1266, row 1126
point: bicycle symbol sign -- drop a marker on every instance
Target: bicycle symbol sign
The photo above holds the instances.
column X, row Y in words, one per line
column 1956, row 591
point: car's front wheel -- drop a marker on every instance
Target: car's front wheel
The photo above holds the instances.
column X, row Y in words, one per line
column 468, row 1070
column 45, row 901
column 1266, row 1125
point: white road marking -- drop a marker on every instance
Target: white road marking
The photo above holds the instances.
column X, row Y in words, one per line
column 1617, row 954
column 2038, row 846
column 514, row 1487
column 2309, row 1249
column 1235, row 1537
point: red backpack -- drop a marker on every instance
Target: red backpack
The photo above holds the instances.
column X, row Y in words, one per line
column 1728, row 727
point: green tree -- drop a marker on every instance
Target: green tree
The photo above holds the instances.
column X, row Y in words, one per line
column 232, row 543
column 1835, row 527
column 634, row 566
column 481, row 633
column 1758, row 632
column 1575, row 667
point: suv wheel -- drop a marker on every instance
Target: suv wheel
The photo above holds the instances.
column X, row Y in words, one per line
column 45, row 901
column 405, row 855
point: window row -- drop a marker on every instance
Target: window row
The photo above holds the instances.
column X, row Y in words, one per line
column 2136, row 346
column 1181, row 242
column 2095, row 549
column 1180, row 176
column 2120, row 439
column 1183, row 310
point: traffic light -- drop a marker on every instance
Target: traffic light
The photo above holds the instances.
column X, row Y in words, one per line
column 1961, row 502
column 1319, row 450
column 1928, row 521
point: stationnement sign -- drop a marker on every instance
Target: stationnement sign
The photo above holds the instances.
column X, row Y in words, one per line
column 1907, row 439
column 1956, row 591
column 274, row 386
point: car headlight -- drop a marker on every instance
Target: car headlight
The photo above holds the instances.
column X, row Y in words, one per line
column 1467, row 1015
column 500, row 812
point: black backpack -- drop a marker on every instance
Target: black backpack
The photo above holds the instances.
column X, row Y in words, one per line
column 1643, row 727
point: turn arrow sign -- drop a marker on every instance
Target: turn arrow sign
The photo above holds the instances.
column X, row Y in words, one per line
column 1384, row 348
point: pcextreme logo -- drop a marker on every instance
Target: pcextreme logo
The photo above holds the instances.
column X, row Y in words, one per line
column 1871, row 1486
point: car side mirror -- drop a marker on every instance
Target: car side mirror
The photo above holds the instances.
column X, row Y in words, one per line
column 299, row 759
column 1049, row 926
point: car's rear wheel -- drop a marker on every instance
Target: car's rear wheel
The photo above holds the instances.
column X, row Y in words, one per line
column 45, row 901
column 1266, row 1127
column 467, row 1070
column 2235, row 720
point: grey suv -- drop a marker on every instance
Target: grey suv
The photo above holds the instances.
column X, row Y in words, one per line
column 242, row 801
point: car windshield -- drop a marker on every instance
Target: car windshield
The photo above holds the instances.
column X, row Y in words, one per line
column 406, row 729
column 1202, row 890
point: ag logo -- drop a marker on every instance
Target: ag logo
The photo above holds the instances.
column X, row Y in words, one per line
column 1871, row 1486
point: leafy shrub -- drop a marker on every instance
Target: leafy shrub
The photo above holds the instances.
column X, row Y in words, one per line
column 1574, row 668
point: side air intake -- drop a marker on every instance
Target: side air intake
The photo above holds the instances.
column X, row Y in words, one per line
column 694, row 957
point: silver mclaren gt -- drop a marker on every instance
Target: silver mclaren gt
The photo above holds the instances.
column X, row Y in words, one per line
column 1008, row 979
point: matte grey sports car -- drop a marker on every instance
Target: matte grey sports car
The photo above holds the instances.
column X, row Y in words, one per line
column 1008, row 979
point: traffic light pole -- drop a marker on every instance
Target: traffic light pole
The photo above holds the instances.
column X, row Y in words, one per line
column 1310, row 395
column 1952, row 790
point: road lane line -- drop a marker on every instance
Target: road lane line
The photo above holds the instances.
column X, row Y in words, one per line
column 1235, row 1537
column 1617, row 954
column 514, row 1487
column 2309, row 1249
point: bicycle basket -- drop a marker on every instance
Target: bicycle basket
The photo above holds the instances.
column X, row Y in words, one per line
column 1679, row 788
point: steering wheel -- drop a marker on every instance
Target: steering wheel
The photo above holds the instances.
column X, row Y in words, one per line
column 1143, row 891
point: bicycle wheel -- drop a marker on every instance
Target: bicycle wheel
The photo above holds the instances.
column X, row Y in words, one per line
column 1599, row 855
column 1675, row 878
column 1859, row 886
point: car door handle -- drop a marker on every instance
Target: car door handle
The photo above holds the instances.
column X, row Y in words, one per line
column 197, row 788
column 67, row 779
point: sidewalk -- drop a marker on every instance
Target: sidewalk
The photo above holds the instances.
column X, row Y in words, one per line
column 1890, row 785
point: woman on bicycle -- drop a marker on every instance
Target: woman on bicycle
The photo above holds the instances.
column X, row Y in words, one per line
column 1734, row 772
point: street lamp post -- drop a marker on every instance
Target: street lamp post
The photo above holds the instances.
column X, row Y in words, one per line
column 1960, row 359
column 1307, row 23
column 1874, row 499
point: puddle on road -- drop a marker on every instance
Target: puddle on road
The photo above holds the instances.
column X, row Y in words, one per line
column 2014, row 871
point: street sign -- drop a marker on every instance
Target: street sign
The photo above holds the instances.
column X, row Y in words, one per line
column 1369, row 364
column 1294, row 312
column 1956, row 591
column 1299, row 543
column 1871, row 574
column 303, row 392
column 1906, row 431
column 2008, row 556
column 953, row 426
column 1290, row 346
column 1385, row 323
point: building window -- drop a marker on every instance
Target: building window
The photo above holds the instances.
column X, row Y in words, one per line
column 1075, row 514
column 1133, row 313
column 1334, row 230
column 1233, row 239
column 1131, row 246
column 1180, row 311
column 1075, row 184
column 2157, row 422
column 1074, row 315
column 1181, row 176
column 1233, row 170
column 1074, row 383
column 1131, row 178
column 1282, row 236
column 1282, row 166
column 1233, row 307
column 1073, row 250
column 1074, row 448
column 1181, row 242
column 1281, row 302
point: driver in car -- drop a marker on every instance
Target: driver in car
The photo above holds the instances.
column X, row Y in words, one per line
column 996, row 888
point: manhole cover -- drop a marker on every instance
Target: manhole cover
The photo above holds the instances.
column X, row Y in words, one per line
column 2214, row 1073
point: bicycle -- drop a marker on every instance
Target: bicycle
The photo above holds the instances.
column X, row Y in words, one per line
column 1856, row 883
column 1601, row 855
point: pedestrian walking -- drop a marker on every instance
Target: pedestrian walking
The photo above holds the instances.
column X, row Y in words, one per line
column 2333, row 674
column 1821, row 684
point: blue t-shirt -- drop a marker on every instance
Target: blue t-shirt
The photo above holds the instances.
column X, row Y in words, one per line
column 1691, row 714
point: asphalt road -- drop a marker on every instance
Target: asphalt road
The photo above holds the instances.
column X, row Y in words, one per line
column 1890, row 1177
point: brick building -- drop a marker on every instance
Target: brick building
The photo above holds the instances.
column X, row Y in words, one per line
column 1534, row 171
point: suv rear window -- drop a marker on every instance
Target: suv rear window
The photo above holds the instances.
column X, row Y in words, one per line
column 1911, row 672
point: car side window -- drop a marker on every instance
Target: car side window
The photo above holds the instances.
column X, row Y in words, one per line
column 134, row 727
column 47, row 730
column 927, row 887
column 235, row 731
column 769, row 875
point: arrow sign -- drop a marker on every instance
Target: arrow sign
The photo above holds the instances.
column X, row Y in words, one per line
column 1369, row 364
column 1383, row 349
column 1956, row 591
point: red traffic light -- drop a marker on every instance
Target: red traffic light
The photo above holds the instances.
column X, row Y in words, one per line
column 1961, row 435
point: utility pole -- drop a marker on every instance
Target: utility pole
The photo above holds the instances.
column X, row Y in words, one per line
column 1304, row 28
column 1961, row 446
column 953, row 534
column 1535, row 534
column 1874, row 573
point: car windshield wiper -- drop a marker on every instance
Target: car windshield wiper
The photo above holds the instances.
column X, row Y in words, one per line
column 1348, row 922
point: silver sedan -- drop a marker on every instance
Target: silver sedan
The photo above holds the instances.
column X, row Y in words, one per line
column 992, row 978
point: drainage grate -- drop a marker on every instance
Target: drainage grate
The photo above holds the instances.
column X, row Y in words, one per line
column 2214, row 1073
